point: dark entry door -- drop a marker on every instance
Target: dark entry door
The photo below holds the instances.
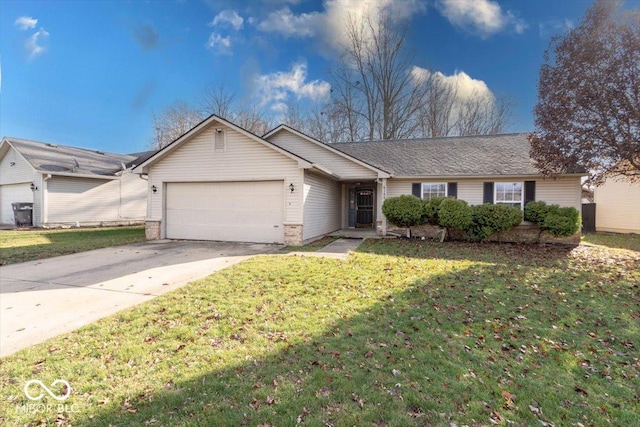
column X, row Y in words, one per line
column 364, row 208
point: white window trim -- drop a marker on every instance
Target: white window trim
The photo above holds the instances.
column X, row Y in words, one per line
column 446, row 188
column 495, row 193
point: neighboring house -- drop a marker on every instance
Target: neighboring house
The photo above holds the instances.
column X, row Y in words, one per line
column 69, row 185
column 618, row 207
column 220, row 182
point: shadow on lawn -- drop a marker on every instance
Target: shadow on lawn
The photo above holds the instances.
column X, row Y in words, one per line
column 443, row 350
column 490, row 252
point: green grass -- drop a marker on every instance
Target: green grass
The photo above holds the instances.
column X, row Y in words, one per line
column 621, row 241
column 21, row 246
column 401, row 333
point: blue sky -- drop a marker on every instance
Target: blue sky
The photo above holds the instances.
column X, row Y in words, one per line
column 93, row 73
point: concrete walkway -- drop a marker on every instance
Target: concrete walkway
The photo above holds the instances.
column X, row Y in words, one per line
column 42, row 299
column 338, row 249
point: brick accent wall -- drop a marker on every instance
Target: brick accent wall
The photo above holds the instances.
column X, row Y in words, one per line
column 152, row 230
column 524, row 233
column 293, row 234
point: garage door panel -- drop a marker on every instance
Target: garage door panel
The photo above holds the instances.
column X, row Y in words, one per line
column 231, row 211
column 10, row 193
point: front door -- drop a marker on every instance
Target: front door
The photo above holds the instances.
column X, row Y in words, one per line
column 364, row 207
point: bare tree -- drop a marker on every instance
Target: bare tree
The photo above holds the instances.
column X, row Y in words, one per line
column 219, row 100
column 223, row 102
column 482, row 115
column 373, row 85
column 435, row 115
column 378, row 94
column 252, row 120
column 173, row 122
column 588, row 110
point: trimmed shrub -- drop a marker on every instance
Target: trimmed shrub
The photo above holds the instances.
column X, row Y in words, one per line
column 403, row 211
column 561, row 222
column 431, row 208
column 488, row 219
column 454, row 213
column 536, row 212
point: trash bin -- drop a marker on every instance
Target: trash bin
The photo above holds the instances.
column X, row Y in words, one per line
column 23, row 213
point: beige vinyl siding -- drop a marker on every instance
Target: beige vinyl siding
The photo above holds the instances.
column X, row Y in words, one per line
column 322, row 207
column 20, row 172
column 133, row 197
column 73, row 200
column 564, row 191
column 243, row 159
column 23, row 174
column 314, row 153
column 618, row 207
column 397, row 188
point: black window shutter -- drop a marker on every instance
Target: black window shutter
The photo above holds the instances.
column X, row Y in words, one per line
column 416, row 189
column 452, row 189
column 488, row 193
column 529, row 191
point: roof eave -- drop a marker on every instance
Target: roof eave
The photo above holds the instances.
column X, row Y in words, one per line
column 381, row 173
column 78, row 175
column 484, row 176
column 6, row 141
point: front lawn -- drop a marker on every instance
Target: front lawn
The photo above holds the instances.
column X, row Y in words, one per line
column 401, row 333
column 612, row 240
column 29, row 245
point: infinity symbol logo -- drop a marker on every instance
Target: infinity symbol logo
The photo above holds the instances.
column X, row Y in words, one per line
column 48, row 390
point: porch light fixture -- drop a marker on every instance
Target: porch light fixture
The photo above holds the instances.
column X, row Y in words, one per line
column 292, row 187
column 33, row 187
column 154, row 189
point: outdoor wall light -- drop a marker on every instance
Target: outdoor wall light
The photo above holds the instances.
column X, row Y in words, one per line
column 12, row 164
column 292, row 187
column 33, row 187
column 154, row 189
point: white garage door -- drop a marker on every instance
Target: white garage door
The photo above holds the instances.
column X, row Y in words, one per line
column 227, row 211
column 10, row 193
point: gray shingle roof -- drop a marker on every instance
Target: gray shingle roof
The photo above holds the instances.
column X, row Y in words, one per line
column 64, row 159
column 486, row 155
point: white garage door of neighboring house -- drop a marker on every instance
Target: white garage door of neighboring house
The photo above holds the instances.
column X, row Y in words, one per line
column 10, row 193
column 227, row 211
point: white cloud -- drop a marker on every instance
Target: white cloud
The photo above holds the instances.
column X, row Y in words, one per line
column 274, row 89
column 484, row 17
column 283, row 21
column 330, row 24
column 464, row 86
column 33, row 44
column 25, row 22
column 219, row 44
column 228, row 17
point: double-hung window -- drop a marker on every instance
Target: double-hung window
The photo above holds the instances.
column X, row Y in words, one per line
column 509, row 193
column 434, row 189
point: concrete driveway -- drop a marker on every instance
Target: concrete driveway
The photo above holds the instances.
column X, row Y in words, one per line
column 42, row 299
